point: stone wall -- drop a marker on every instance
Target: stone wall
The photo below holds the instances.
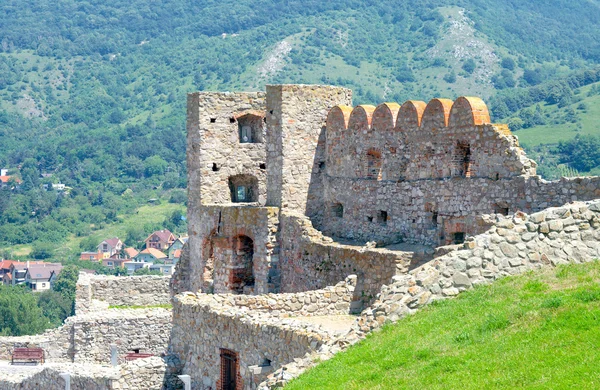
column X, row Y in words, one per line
column 87, row 338
column 214, row 151
column 513, row 245
column 96, row 292
column 142, row 374
column 144, row 329
column 215, row 255
column 310, row 260
column 203, row 326
column 332, row 300
column 516, row 244
column 422, row 173
column 296, row 144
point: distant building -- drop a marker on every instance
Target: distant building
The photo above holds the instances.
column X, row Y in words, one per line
column 150, row 255
column 40, row 277
column 161, row 240
column 91, row 256
column 165, row 269
column 176, row 246
column 110, row 247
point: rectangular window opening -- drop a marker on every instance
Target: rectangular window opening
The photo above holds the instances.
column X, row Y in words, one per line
column 458, row 237
column 337, row 210
column 382, row 217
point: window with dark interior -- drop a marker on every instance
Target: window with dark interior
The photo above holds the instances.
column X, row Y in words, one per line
column 250, row 128
column 337, row 210
column 458, row 237
column 462, row 159
column 382, row 217
column 374, row 164
column 244, row 188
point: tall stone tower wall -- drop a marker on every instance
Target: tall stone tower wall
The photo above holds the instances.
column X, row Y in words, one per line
column 296, row 144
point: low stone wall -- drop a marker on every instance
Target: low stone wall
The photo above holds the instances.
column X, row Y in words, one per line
column 513, row 245
column 312, row 261
column 87, row 338
column 100, row 291
column 141, row 374
column 57, row 343
column 333, row 300
column 203, row 325
column 144, row 329
column 559, row 235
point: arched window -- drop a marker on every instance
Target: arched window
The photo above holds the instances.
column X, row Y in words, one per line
column 250, row 128
column 244, row 188
column 242, row 267
column 374, row 164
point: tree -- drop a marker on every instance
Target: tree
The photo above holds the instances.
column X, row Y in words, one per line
column 19, row 312
column 450, row 77
column 42, row 251
column 66, row 282
column 55, row 306
column 146, row 271
column 89, row 244
column 155, row 165
column 508, row 63
column 469, row 66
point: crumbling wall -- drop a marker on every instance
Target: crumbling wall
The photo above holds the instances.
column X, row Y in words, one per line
column 331, row 300
column 97, row 292
column 87, row 338
column 202, row 327
column 311, row 261
column 142, row 374
column 513, row 245
column 214, row 242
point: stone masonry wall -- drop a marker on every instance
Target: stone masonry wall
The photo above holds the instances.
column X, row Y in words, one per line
column 421, row 173
column 296, row 144
column 312, row 261
column 558, row 235
column 100, row 291
column 202, row 326
column 332, row 300
column 513, row 245
column 141, row 374
column 87, row 338
column 214, row 150
column 144, row 329
column 212, row 249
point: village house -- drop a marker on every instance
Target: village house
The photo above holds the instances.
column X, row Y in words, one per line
column 175, row 248
column 110, row 247
column 161, row 240
column 150, row 255
column 40, row 277
column 118, row 259
column 91, row 256
column 166, row 269
column 5, row 179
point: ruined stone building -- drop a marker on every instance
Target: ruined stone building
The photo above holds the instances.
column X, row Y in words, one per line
column 302, row 211
column 293, row 190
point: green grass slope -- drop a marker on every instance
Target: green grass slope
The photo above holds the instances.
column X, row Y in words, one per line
column 535, row 331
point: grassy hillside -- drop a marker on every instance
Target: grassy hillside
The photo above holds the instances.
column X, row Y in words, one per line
column 94, row 93
column 539, row 330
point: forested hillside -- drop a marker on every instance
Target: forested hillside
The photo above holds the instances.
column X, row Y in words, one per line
column 92, row 93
